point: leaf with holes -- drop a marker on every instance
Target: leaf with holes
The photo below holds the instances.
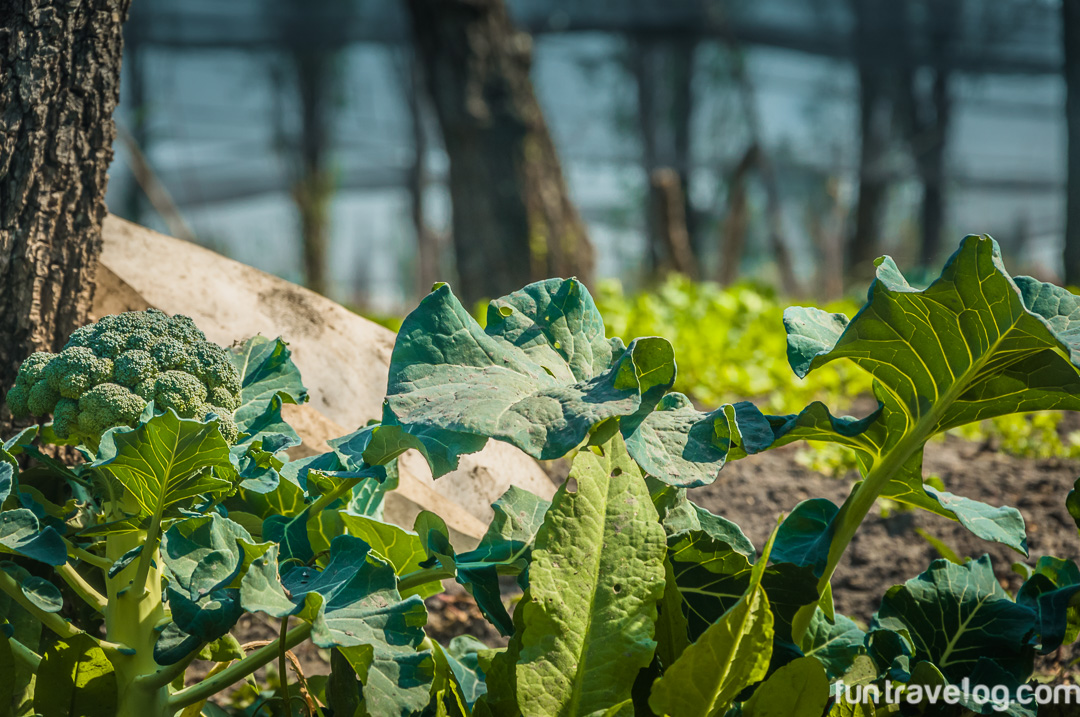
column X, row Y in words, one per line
column 596, row 576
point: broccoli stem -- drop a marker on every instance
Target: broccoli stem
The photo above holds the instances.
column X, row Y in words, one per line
column 131, row 616
column 82, row 588
column 239, row 670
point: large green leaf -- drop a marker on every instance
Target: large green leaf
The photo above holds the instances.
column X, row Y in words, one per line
column 80, row 679
column 959, row 614
column 798, row 689
column 504, row 550
column 597, row 574
column 712, row 576
column 463, row 660
column 17, row 444
column 679, row 514
column 835, row 644
column 266, row 371
column 353, row 604
column 207, row 552
column 22, row 534
column 975, row 344
column 196, row 622
column 730, row 655
column 446, row 693
column 165, row 461
column 682, row 446
column 539, row 376
column 1053, row 592
column 400, row 548
column 672, row 631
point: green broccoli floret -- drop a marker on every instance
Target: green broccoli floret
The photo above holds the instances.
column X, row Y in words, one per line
column 133, row 367
column 33, row 367
column 110, row 370
column 17, row 400
column 182, row 392
column 66, row 418
column 42, row 399
column 107, row 405
column 229, row 430
column 76, row 370
column 170, row 353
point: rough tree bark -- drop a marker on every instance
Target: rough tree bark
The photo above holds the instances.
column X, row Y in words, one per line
column 59, row 85
column 512, row 219
column 1071, row 22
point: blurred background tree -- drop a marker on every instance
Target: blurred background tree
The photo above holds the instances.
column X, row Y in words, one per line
column 490, row 143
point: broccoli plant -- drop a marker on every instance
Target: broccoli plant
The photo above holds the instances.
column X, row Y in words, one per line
column 167, row 423
column 109, row 372
column 187, row 513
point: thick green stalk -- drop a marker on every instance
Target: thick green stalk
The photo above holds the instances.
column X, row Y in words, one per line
column 327, row 498
column 858, row 505
column 24, row 655
column 415, row 579
column 239, row 670
column 87, row 557
column 131, row 616
column 82, row 588
column 149, row 552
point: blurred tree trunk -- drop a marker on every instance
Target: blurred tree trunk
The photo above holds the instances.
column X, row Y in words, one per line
column 930, row 158
column 135, row 98
column 669, row 214
column 1070, row 17
column 512, row 219
column 737, row 219
column 429, row 267
column 873, row 184
column 663, row 69
column 59, row 85
column 880, row 31
column 314, row 185
column 928, row 114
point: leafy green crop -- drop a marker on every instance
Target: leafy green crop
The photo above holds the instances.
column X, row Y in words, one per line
column 632, row 599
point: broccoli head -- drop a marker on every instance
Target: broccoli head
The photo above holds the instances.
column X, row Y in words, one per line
column 109, row 371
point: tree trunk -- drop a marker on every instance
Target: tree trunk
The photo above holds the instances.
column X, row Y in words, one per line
column 59, row 85
column 428, row 247
column 736, row 220
column 663, row 70
column 880, row 47
column 314, row 186
column 931, row 163
column 667, row 196
column 1070, row 20
column 512, row 220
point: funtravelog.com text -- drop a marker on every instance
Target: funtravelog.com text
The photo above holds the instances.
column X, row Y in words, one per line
column 999, row 697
